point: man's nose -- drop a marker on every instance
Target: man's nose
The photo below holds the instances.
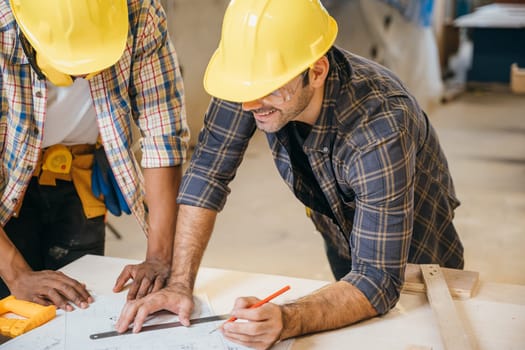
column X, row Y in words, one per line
column 251, row 105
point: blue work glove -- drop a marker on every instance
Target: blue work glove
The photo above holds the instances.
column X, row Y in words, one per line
column 103, row 182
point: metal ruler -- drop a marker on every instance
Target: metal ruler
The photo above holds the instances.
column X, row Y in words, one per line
column 155, row 327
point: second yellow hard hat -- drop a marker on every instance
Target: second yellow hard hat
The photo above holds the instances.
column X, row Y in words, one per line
column 266, row 43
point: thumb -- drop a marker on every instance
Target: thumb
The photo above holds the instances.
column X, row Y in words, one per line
column 245, row 302
column 184, row 317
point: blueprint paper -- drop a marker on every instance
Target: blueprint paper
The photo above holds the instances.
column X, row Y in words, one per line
column 71, row 330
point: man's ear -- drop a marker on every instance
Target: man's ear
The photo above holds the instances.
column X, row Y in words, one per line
column 319, row 71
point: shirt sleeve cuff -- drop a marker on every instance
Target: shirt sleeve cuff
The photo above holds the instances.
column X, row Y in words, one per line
column 163, row 151
column 199, row 191
column 377, row 286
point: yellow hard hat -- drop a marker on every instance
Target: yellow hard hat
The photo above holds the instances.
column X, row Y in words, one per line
column 75, row 37
column 266, row 43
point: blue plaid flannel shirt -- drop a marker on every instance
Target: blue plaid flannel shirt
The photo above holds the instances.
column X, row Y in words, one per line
column 378, row 162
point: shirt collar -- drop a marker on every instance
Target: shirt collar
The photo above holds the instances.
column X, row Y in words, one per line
column 323, row 132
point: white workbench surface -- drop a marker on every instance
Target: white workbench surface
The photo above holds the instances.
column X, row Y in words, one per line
column 495, row 316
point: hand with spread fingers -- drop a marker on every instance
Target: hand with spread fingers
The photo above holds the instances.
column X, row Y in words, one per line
column 51, row 288
column 263, row 329
column 147, row 277
column 176, row 298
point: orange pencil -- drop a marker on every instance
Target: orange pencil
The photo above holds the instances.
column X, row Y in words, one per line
column 257, row 304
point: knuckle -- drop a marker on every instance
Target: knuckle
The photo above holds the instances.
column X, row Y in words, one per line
column 68, row 289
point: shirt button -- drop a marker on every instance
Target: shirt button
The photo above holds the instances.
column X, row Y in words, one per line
column 325, row 150
column 29, row 168
column 35, row 131
column 39, row 94
column 14, row 200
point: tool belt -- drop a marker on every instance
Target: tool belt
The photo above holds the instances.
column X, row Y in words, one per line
column 71, row 163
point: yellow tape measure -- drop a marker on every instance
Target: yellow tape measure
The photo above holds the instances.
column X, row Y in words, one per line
column 57, row 159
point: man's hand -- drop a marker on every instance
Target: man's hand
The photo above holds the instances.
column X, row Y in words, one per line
column 175, row 298
column 148, row 277
column 51, row 287
column 263, row 329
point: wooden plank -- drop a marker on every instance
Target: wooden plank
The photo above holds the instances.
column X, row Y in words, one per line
column 461, row 284
column 418, row 347
column 451, row 328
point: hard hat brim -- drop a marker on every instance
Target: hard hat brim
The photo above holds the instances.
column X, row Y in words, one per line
column 220, row 84
column 81, row 64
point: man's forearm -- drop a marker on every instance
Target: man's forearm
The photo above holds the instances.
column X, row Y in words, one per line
column 161, row 187
column 12, row 262
column 334, row 306
column 194, row 228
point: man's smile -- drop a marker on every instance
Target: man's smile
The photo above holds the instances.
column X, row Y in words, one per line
column 264, row 114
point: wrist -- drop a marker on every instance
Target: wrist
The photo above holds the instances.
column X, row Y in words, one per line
column 13, row 273
column 159, row 250
column 180, row 286
column 291, row 321
column 160, row 258
column 181, row 279
column 12, row 263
